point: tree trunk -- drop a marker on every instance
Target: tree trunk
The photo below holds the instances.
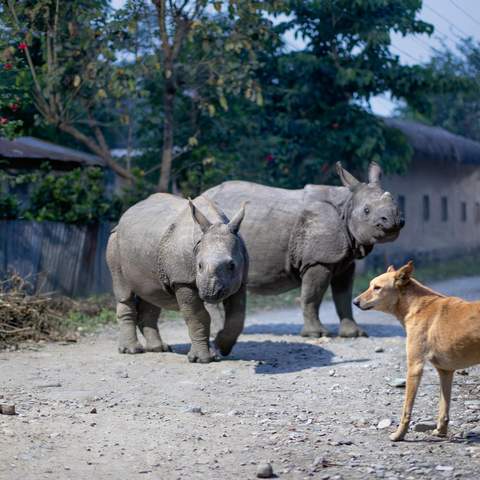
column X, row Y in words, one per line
column 167, row 150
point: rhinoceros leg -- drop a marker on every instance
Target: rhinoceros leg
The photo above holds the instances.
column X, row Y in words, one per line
column 127, row 320
column 198, row 323
column 148, row 323
column 315, row 282
column 342, row 285
column 235, row 306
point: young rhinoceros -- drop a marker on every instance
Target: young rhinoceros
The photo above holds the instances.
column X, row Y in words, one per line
column 165, row 253
column 311, row 237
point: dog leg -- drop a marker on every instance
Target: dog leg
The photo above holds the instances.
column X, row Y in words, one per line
column 414, row 375
column 446, row 379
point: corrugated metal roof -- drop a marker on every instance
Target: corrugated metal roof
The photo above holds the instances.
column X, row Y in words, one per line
column 34, row 148
column 437, row 144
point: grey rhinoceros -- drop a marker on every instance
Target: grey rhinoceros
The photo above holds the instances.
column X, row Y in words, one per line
column 166, row 253
column 311, row 237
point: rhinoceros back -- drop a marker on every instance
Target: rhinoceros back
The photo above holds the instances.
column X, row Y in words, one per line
column 270, row 218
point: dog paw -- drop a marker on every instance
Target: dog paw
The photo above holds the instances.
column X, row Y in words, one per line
column 397, row 436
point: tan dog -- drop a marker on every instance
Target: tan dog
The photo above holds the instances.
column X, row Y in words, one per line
column 443, row 330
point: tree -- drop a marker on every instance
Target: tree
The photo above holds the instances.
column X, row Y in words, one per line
column 317, row 100
column 77, row 82
column 457, row 109
column 222, row 37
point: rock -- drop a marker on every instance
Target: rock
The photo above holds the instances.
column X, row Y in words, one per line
column 194, row 409
column 264, row 470
column 444, row 468
column 331, row 373
column 385, row 423
column 320, row 462
column 424, row 427
column 473, row 404
column 462, row 372
column 93, row 410
column 398, row 383
column 379, row 350
column 7, row 409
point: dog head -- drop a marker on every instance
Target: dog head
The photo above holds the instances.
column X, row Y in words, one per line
column 384, row 290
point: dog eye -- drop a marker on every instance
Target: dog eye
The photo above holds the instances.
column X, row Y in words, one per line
column 366, row 210
column 376, row 287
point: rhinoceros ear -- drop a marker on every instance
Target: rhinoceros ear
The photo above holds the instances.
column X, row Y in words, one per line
column 235, row 222
column 200, row 219
column 222, row 217
column 348, row 180
column 374, row 173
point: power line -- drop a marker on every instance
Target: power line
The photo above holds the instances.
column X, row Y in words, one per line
column 465, row 12
column 446, row 20
column 407, row 54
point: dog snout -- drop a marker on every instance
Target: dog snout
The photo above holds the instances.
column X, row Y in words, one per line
column 356, row 301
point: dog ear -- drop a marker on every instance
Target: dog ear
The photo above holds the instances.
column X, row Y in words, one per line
column 403, row 275
column 390, row 269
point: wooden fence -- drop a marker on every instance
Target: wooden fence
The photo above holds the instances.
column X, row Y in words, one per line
column 56, row 257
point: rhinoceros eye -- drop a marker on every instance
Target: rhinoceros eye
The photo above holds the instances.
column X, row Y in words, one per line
column 231, row 265
column 366, row 210
column 200, row 266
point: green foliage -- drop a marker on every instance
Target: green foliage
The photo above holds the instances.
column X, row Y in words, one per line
column 457, row 107
column 77, row 196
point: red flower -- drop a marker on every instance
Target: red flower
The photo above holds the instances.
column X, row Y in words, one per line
column 269, row 158
column 3, row 121
column 335, row 125
column 8, row 66
column 22, row 46
column 13, row 107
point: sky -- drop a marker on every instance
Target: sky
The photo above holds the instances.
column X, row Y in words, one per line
column 452, row 19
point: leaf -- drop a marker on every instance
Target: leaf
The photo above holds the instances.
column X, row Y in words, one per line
column 76, row 81
column 223, row 103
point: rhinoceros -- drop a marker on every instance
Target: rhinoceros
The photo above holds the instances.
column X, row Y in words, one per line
column 311, row 237
column 166, row 253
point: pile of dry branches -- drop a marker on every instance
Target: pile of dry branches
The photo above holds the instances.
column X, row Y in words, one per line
column 24, row 316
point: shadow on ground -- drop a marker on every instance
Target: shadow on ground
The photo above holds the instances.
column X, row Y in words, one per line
column 280, row 357
column 373, row 329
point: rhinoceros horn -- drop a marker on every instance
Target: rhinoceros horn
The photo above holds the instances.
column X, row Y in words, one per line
column 199, row 217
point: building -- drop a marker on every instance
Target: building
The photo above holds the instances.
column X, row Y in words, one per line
column 439, row 195
column 28, row 153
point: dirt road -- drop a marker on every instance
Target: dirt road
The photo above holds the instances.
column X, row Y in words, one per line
column 311, row 408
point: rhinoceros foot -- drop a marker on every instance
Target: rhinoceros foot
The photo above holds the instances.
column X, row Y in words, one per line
column 161, row 347
column 132, row 348
column 317, row 333
column 203, row 356
column 350, row 329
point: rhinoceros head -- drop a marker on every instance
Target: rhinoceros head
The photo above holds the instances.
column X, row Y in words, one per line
column 220, row 257
column 373, row 215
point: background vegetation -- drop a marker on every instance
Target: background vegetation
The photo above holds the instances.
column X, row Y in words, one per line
column 200, row 91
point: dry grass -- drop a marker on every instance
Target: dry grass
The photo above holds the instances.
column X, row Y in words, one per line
column 36, row 317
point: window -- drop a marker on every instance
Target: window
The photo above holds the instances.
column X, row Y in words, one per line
column 463, row 211
column 401, row 204
column 426, row 208
column 444, row 209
